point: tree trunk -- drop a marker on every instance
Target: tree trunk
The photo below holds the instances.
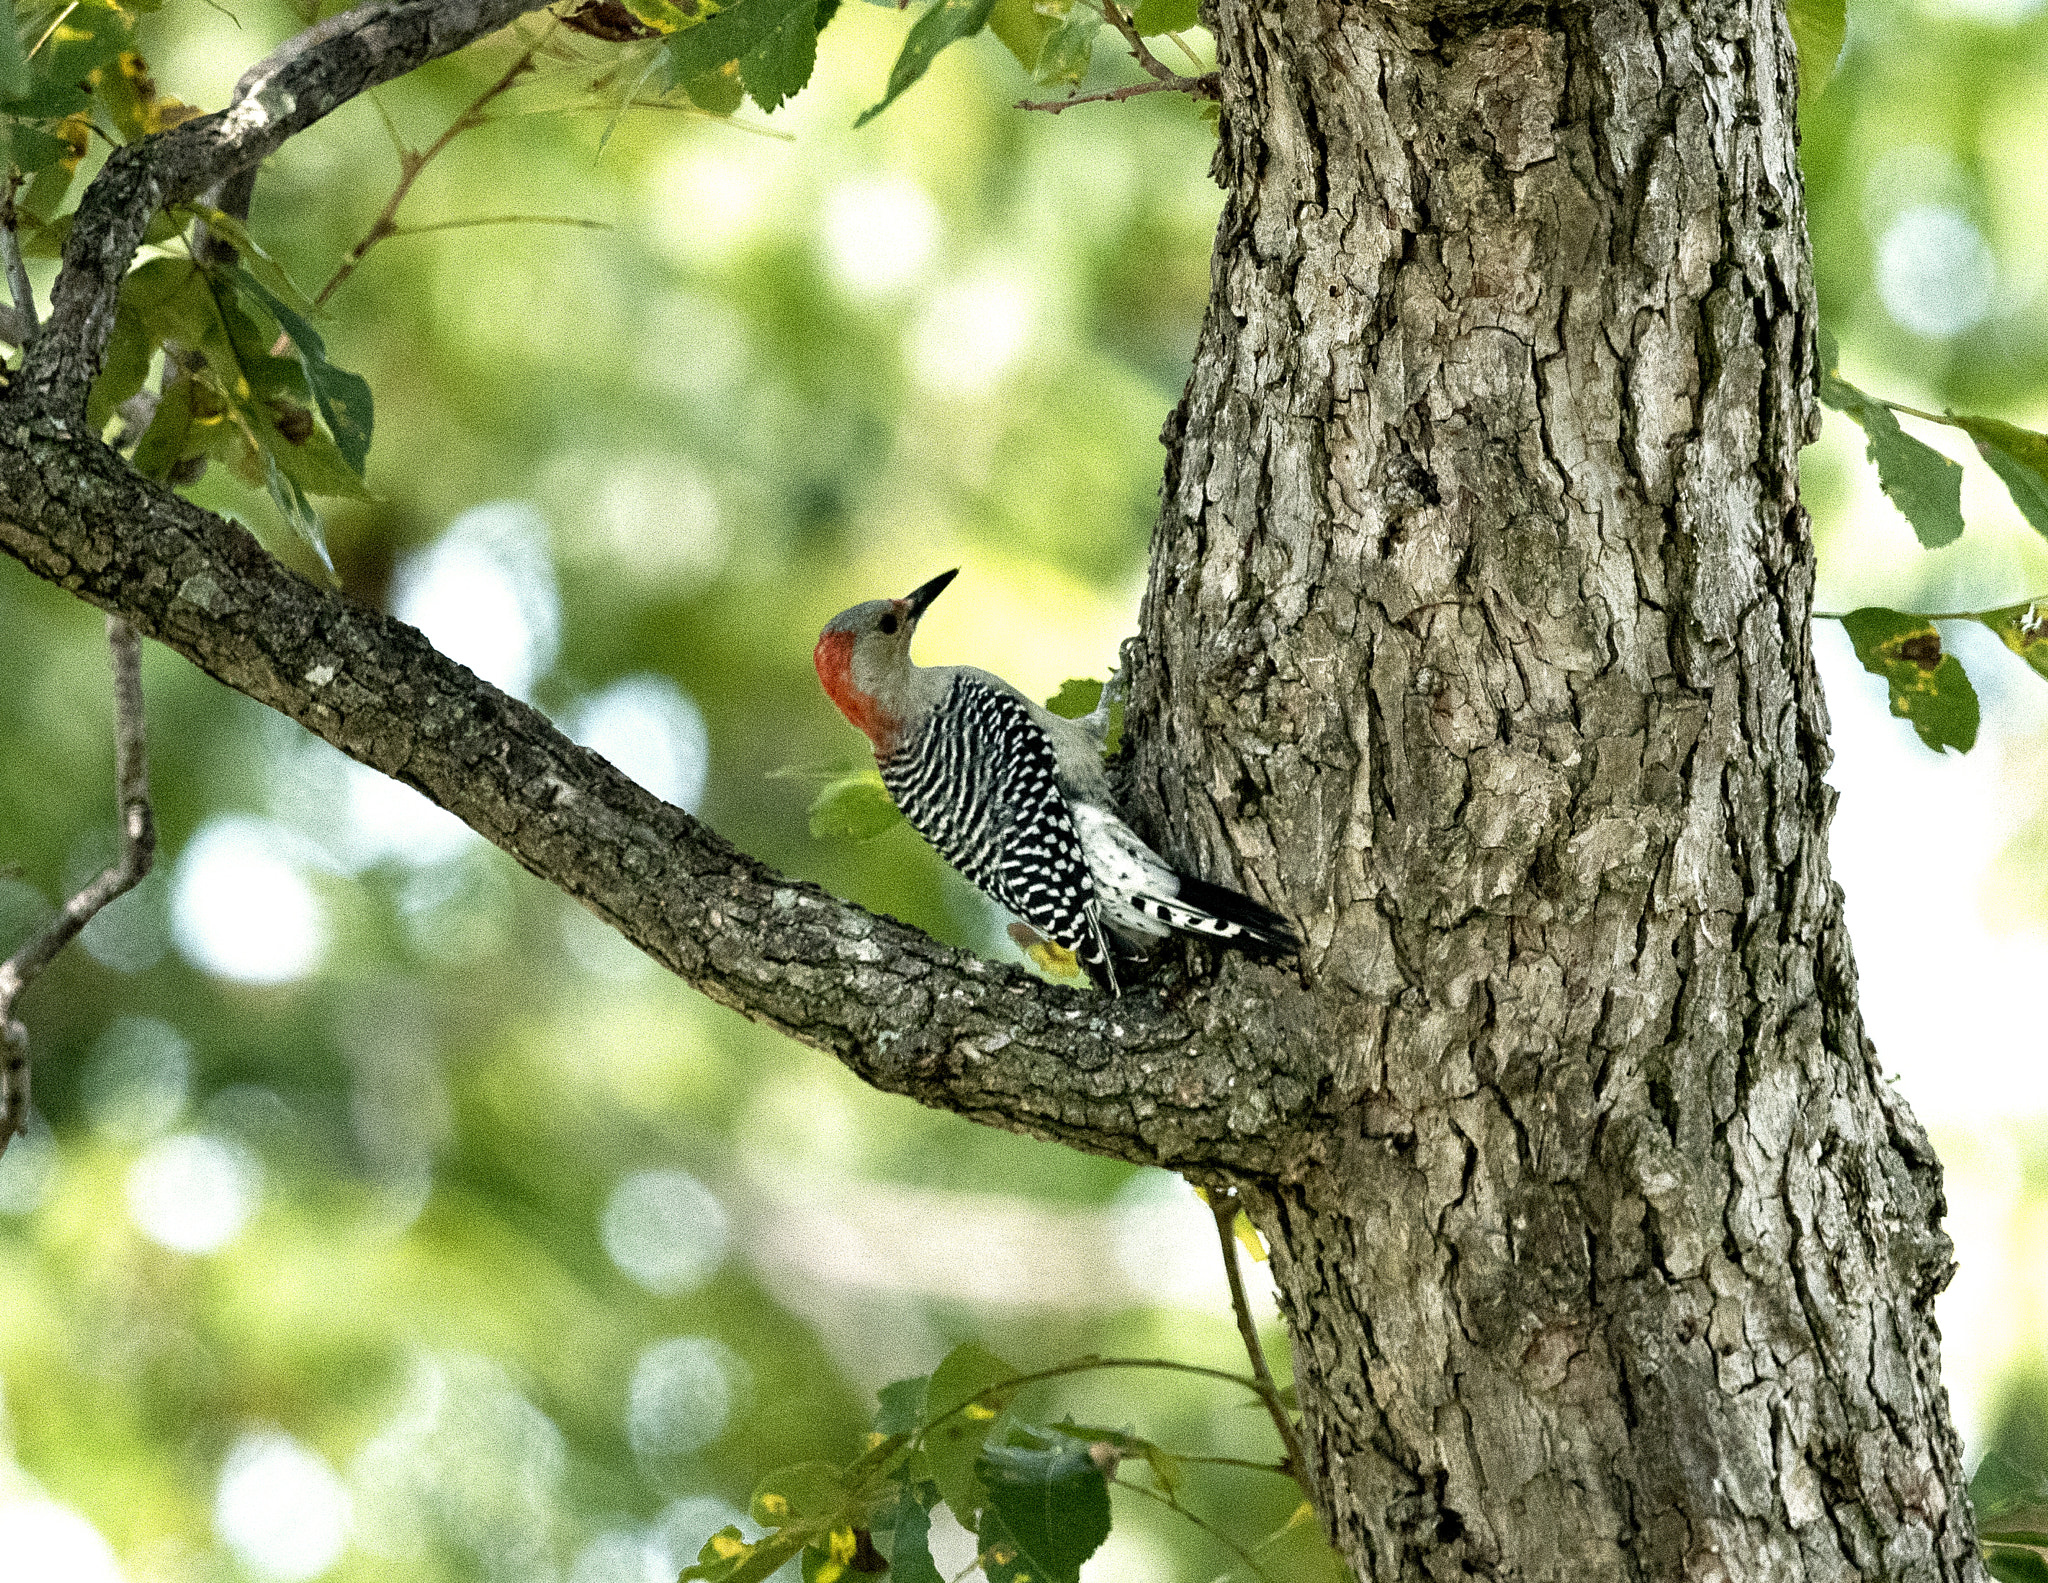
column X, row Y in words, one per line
column 1478, row 631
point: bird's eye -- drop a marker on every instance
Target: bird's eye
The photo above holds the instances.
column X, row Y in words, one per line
column 888, row 623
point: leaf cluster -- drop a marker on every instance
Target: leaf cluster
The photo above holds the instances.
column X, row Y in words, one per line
column 1035, row 1495
column 69, row 73
column 245, row 379
column 765, row 50
column 1930, row 689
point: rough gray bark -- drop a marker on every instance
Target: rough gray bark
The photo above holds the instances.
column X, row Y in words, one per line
column 1477, row 641
column 1478, row 631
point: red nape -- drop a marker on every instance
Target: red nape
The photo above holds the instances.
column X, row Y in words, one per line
column 834, row 659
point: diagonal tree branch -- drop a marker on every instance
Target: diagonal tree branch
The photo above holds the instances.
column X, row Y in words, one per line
column 1140, row 1078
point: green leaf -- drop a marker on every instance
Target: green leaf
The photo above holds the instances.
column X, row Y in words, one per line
column 902, row 1405
column 1066, row 54
column 830, row 1561
column 343, row 398
column 129, row 349
column 168, row 439
column 903, row 1530
column 169, row 297
column 855, row 807
column 36, row 150
column 1022, row 27
column 2019, row 457
column 89, row 37
column 2015, row 1536
column 2013, row 1564
column 728, row 1557
column 1928, row 687
column 315, row 464
column 965, row 1402
column 660, row 15
column 1818, row 29
column 254, row 261
column 1165, row 16
column 779, row 67
column 947, row 22
column 239, row 351
column 728, row 36
column 298, row 509
column 1046, row 1510
column 2024, row 630
column 14, row 76
column 1922, row 483
column 808, row 1493
column 717, row 92
column 1077, row 696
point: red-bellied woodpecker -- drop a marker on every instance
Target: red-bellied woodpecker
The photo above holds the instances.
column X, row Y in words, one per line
column 1015, row 797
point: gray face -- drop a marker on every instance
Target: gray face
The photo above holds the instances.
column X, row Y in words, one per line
column 863, row 620
column 882, row 629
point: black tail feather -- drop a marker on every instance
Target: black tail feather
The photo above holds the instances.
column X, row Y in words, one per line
column 1264, row 930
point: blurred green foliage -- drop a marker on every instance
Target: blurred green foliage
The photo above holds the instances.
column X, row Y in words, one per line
column 801, row 366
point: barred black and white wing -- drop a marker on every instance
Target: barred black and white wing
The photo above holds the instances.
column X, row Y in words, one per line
column 978, row 780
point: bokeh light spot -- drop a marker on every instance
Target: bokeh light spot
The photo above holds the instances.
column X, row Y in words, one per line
column 681, row 1396
column 139, row 1079
column 281, row 1508
column 619, row 1555
column 970, row 336
column 665, row 1230
column 48, row 1542
column 652, row 730
column 193, row 1193
column 879, row 234
column 466, row 1460
column 484, row 594
column 1935, row 271
column 388, row 819
column 242, row 909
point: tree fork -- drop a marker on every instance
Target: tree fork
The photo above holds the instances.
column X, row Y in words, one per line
column 1478, row 627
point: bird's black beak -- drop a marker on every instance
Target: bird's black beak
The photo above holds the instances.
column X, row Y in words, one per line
column 922, row 597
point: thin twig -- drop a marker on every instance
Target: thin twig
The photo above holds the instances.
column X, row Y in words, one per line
column 1060, row 1371
column 1099, row 96
column 1210, row 1529
column 18, row 285
column 1182, row 44
column 1280, row 1468
column 138, row 851
column 1223, row 1206
column 1164, row 78
column 56, row 22
column 1207, row 86
column 410, row 165
column 502, row 219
